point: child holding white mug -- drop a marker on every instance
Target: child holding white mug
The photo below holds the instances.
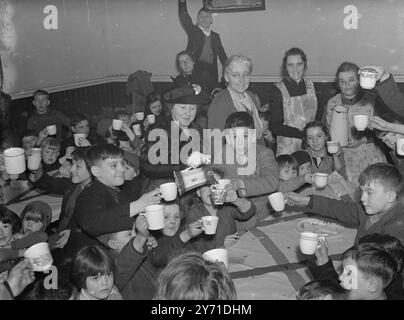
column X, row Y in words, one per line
column 315, row 137
column 234, row 208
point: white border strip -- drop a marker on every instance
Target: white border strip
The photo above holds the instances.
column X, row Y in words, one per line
column 162, row 78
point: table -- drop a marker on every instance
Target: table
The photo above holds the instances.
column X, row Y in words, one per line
column 266, row 262
column 19, row 193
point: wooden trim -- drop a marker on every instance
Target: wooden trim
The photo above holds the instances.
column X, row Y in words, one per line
column 162, row 78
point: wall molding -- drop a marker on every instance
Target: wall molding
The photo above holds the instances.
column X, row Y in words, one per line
column 161, row 78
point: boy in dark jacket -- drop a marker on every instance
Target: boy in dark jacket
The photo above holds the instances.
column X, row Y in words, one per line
column 379, row 210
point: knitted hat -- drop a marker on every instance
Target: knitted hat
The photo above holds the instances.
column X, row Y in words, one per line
column 41, row 207
column 301, row 157
column 186, row 95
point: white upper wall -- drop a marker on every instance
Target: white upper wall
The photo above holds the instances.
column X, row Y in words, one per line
column 96, row 39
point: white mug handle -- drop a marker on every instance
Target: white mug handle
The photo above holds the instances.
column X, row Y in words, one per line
column 201, row 224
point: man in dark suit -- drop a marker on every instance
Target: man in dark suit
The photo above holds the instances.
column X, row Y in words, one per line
column 203, row 43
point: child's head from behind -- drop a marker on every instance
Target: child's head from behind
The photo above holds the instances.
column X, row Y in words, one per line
column 367, row 269
column 36, row 216
column 323, row 289
column 50, row 150
column 63, row 291
column 190, row 277
column 266, row 120
column 29, row 139
column 288, row 166
column 172, row 219
column 304, row 161
column 41, row 101
column 391, row 244
column 240, row 131
column 10, row 224
column 79, row 123
column 79, row 170
column 154, row 103
column 93, row 272
column 381, row 184
column 315, row 136
column 106, row 164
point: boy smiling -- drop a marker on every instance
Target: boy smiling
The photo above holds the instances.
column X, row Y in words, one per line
column 380, row 212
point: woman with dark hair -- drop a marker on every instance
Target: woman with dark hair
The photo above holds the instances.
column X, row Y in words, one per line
column 293, row 102
column 361, row 150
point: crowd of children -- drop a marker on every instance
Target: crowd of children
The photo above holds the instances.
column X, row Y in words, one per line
column 101, row 242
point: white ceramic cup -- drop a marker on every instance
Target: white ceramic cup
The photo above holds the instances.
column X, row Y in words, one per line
column 277, row 201
column 140, row 116
column 400, row 147
column 34, row 158
column 361, row 122
column 137, row 130
column 209, row 224
column 77, row 137
column 320, row 179
column 169, row 191
column 332, row 147
column 368, row 78
column 39, row 256
column 308, row 242
column 223, row 182
column 117, row 124
column 14, row 160
column 220, row 255
column 51, row 130
column 155, row 216
column 151, row 118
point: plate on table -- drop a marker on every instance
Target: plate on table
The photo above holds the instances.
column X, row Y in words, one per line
column 324, row 228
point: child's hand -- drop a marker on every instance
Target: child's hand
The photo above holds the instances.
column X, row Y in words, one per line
column 295, row 199
column 309, row 178
column 83, row 142
column 322, row 251
column 151, row 242
column 34, row 176
column 141, row 225
column 147, row 199
column 231, row 194
column 42, row 135
column 231, row 239
column 194, row 229
column 133, row 118
column 238, row 183
column 63, row 238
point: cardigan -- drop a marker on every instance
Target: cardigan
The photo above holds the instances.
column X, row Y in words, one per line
column 222, row 106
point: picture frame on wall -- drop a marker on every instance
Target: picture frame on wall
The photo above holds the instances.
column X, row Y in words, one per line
column 234, row 5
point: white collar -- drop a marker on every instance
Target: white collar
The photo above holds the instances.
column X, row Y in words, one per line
column 207, row 33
